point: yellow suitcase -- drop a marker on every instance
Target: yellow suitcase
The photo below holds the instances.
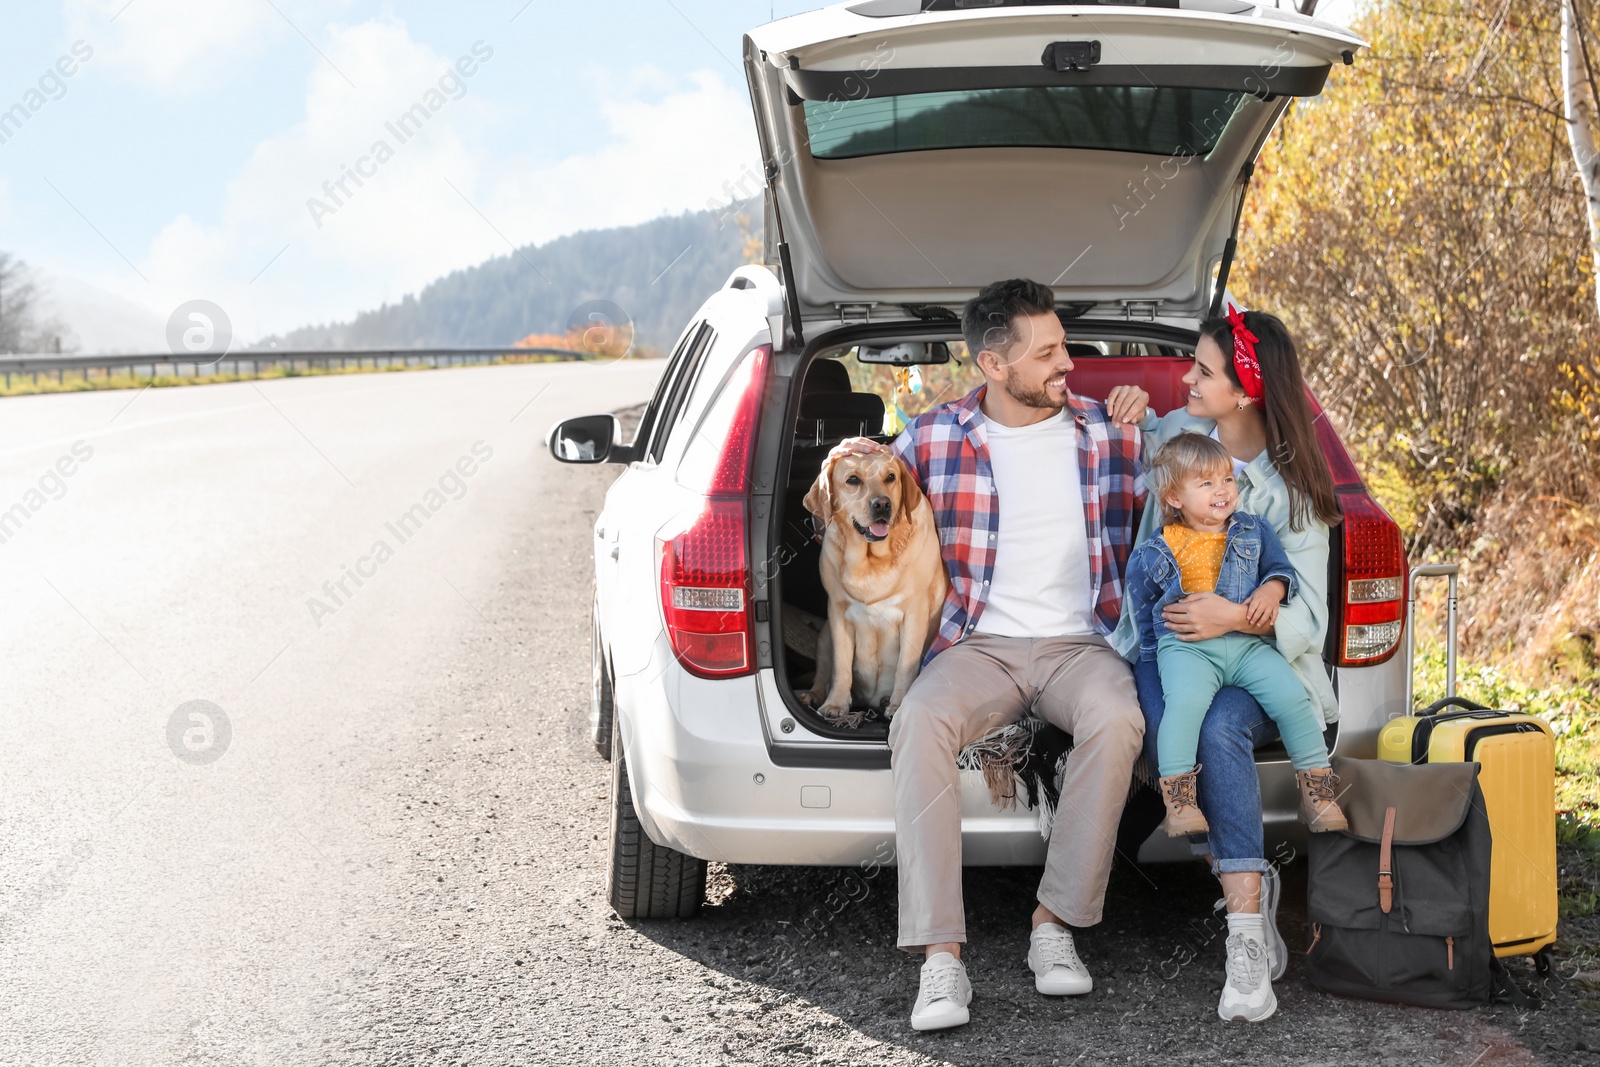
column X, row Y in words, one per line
column 1517, row 771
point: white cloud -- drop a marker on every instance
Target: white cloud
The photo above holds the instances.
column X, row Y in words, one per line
column 668, row 154
column 662, row 149
column 171, row 44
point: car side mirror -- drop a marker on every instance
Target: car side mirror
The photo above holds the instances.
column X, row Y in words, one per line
column 588, row 439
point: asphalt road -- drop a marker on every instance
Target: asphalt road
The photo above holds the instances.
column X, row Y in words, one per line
column 382, row 837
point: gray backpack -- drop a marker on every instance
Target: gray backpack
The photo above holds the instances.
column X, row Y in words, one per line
column 1399, row 903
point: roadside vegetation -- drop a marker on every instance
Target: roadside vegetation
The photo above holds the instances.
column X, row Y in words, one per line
column 597, row 345
column 1423, row 229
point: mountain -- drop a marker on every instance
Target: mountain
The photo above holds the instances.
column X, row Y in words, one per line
column 100, row 322
column 658, row 272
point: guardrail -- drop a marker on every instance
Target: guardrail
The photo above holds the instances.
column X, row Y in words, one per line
column 310, row 360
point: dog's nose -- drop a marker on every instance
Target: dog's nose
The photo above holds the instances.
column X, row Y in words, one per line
column 880, row 505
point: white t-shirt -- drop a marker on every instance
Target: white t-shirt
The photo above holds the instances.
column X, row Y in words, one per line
column 1040, row 586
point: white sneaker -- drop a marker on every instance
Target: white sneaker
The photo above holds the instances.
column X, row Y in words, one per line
column 942, row 995
column 1057, row 970
column 1277, row 949
column 1247, row 994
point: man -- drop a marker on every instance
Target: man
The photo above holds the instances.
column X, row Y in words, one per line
column 1023, row 630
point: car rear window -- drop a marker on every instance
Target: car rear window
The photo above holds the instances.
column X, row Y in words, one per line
column 1158, row 120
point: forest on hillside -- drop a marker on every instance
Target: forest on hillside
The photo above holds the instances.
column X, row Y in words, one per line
column 658, row 273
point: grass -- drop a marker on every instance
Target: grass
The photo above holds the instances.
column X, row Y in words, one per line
column 22, row 386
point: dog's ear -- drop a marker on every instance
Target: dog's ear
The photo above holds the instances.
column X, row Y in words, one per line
column 819, row 498
column 911, row 495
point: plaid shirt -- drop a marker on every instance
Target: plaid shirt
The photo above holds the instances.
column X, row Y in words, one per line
column 947, row 449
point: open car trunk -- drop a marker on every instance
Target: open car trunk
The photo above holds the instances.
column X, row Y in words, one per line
column 846, row 400
column 915, row 152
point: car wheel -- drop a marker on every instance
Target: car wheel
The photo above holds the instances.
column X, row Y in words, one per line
column 646, row 880
column 602, row 702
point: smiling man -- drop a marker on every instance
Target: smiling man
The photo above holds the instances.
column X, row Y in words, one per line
column 1023, row 631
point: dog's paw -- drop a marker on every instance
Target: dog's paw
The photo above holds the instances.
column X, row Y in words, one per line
column 806, row 697
column 834, row 712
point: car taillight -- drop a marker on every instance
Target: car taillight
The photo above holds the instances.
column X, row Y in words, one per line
column 704, row 573
column 1374, row 582
column 704, row 567
column 1373, row 600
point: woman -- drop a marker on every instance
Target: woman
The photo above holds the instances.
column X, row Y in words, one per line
column 1247, row 391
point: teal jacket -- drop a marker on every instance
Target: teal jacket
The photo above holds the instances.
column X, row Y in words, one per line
column 1302, row 624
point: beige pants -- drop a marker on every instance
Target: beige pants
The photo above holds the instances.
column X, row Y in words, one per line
column 984, row 682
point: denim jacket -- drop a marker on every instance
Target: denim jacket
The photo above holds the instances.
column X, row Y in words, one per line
column 1252, row 556
column 1302, row 626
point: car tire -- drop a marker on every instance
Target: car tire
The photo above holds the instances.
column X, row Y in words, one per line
column 602, row 698
column 646, row 880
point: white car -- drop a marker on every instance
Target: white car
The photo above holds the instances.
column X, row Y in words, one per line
column 916, row 150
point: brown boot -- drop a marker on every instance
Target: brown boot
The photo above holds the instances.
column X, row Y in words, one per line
column 1183, row 810
column 1318, row 808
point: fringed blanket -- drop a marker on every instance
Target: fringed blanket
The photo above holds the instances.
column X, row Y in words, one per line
column 1025, row 761
column 1022, row 760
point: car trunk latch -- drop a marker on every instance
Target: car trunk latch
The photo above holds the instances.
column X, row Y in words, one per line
column 855, row 313
column 1071, row 55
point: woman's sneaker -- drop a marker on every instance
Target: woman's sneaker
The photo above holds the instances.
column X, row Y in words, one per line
column 1057, row 970
column 1271, row 891
column 942, row 995
column 1277, row 951
column 1247, row 994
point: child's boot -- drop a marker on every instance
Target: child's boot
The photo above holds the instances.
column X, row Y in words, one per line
column 1318, row 808
column 1183, row 810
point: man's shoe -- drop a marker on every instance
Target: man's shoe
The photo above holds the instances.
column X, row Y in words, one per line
column 1247, row 994
column 1057, row 970
column 943, row 994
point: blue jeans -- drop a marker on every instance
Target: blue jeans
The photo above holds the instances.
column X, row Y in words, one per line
column 1230, row 792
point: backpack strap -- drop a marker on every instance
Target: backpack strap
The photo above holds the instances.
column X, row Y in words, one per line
column 1385, row 865
column 1503, row 989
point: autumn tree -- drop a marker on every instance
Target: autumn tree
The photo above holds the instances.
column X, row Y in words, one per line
column 1421, row 229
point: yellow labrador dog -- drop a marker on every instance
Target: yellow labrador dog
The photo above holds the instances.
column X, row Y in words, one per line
column 885, row 581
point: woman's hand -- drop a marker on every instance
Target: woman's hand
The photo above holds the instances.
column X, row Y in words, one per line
column 1202, row 616
column 1261, row 606
column 856, row 446
column 1127, row 403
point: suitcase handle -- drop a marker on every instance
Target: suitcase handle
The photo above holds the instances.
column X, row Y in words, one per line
column 1432, row 570
column 1452, row 702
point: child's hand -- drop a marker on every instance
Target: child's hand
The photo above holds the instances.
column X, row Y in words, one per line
column 1261, row 606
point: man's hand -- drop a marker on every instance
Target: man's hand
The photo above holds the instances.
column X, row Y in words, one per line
column 1127, row 403
column 1261, row 606
column 856, row 446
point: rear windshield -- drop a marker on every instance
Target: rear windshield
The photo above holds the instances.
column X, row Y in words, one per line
column 1156, row 120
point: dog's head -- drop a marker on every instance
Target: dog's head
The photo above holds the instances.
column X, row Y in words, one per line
column 870, row 493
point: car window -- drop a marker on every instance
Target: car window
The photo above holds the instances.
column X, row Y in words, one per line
column 652, row 410
column 1158, row 120
column 907, row 392
column 672, row 404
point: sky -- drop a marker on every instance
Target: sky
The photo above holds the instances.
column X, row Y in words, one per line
column 203, row 149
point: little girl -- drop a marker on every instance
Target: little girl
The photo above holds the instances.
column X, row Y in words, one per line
column 1206, row 546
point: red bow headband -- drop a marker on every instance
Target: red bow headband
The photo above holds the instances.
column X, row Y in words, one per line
column 1245, row 363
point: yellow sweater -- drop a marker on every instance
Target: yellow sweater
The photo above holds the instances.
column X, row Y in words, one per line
column 1199, row 556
